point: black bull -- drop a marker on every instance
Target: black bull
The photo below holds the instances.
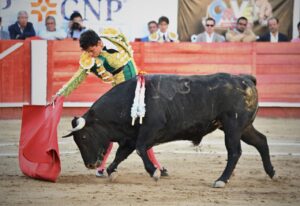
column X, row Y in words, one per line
column 177, row 108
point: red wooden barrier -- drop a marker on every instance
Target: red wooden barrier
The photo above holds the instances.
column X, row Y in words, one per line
column 14, row 77
column 276, row 67
column 278, row 72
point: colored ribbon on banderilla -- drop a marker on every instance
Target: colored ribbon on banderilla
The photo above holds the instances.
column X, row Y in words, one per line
column 138, row 109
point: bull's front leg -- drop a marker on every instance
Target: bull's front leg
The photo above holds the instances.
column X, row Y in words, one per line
column 233, row 146
column 150, row 168
column 122, row 153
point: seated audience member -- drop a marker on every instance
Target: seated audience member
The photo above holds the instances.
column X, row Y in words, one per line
column 22, row 29
column 51, row 33
column 76, row 27
column 163, row 35
column 3, row 34
column 241, row 33
column 297, row 39
column 209, row 35
column 274, row 35
column 152, row 28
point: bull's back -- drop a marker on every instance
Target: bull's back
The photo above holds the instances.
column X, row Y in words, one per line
column 201, row 90
column 182, row 97
column 200, row 98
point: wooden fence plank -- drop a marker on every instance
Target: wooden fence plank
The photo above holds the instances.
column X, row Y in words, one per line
column 277, row 48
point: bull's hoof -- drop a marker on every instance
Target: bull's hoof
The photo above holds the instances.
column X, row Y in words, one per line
column 113, row 176
column 219, row 184
column 275, row 177
column 272, row 174
column 100, row 173
column 164, row 172
column 156, row 175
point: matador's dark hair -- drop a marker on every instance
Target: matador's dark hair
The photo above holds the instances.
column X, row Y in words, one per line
column 88, row 38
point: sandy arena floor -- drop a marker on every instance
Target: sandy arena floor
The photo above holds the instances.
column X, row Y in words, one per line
column 192, row 171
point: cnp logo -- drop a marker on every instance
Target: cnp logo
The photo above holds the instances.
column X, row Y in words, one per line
column 8, row 3
column 43, row 8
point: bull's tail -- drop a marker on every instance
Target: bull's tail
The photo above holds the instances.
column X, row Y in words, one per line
column 248, row 76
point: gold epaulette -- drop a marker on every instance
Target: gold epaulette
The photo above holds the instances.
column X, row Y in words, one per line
column 87, row 62
column 154, row 36
column 116, row 37
column 110, row 32
column 173, row 36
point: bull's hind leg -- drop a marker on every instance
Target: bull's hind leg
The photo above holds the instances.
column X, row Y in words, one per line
column 233, row 146
column 122, row 153
column 252, row 137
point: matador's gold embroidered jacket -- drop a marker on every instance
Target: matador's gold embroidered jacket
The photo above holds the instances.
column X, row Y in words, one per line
column 114, row 65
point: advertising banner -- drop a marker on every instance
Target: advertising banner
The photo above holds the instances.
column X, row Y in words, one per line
column 130, row 16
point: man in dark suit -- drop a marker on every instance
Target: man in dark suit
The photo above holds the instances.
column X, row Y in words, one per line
column 22, row 29
column 273, row 35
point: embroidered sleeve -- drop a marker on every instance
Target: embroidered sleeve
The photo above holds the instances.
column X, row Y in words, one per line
column 73, row 83
column 104, row 75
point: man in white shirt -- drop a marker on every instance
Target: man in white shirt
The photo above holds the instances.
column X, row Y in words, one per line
column 51, row 33
column 163, row 35
column 209, row 34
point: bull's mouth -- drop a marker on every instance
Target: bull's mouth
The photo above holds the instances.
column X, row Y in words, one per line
column 93, row 166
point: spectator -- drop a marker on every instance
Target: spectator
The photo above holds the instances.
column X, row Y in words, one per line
column 152, row 28
column 241, row 33
column 273, row 35
column 76, row 27
column 163, row 35
column 22, row 29
column 297, row 39
column 3, row 34
column 51, row 33
column 209, row 35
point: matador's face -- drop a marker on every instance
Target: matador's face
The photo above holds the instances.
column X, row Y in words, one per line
column 95, row 51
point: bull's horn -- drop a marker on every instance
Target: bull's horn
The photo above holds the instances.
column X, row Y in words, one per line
column 68, row 135
column 80, row 124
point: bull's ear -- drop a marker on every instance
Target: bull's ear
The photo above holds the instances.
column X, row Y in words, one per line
column 68, row 135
